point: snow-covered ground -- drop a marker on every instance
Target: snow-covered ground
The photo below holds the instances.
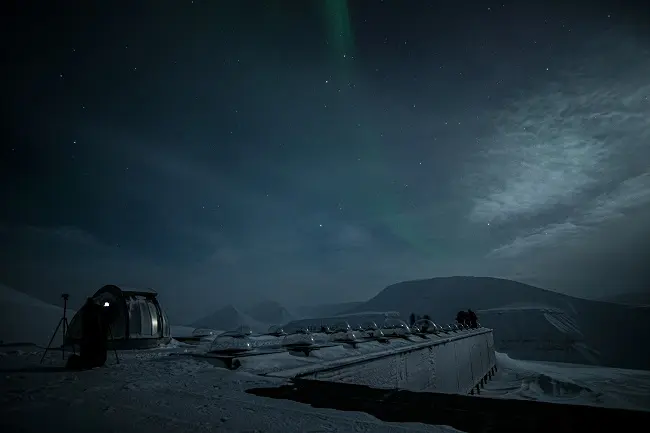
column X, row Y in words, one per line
column 570, row 383
column 156, row 390
column 149, row 391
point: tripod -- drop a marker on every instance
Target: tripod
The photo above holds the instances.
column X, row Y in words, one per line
column 110, row 330
column 63, row 321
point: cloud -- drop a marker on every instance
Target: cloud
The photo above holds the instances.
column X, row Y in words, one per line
column 568, row 161
column 351, row 236
column 630, row 194
column 287, row 261
column 576, row 135
column 547, row 236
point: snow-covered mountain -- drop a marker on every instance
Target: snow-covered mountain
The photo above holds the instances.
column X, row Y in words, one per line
column 531, row 323
column 25, row 319
column 633, row 298
column 539, row 332
column 229, row 318
column 268, row 312
column 324, row 310
column 262, row 315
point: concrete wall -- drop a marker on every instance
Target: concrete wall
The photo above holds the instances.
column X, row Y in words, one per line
column 457, row 363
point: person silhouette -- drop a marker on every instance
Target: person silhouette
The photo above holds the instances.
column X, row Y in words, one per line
column 462, row 318
column 93, row 346
column 473, row 320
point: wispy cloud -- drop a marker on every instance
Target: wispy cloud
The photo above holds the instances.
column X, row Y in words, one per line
column 575, row 135
column 529, row 176
column 544, row 237
column 629, row 195
column 573, row 158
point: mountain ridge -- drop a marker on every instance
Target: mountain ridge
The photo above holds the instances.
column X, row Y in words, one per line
column 600, row 323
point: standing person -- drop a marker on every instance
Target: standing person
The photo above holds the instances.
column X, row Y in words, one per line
column 473, row 320
column 93, row 346
column 462, row 318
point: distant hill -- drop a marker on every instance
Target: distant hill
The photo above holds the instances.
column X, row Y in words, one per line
column 530, row 322
column 229, row 318
column 25, row 319
column 638, row 298
column 268, row 312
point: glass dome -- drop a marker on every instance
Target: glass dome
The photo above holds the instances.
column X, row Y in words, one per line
column 369, row 326
column 204, row 332
column 301, row 337
column 345, row 336
column 231, row 342
column 396, row 327
column 243, row 330
column 348, row 336
column 340, row 327
column 276, row 330
column 370, row 330
column 426, row 326
column 342, row 331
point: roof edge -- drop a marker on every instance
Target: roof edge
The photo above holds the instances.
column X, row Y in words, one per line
column 150, row 293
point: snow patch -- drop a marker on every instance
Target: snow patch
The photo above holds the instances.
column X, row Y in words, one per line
column 569, row 383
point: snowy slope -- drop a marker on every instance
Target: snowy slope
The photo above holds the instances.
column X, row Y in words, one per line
column 600, row 323
column 641, row 298
column 538, row 332
column 150, row 392
column 24, row 319
column 570, row 383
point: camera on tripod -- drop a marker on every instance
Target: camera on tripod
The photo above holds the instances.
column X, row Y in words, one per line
column 64, row 325
column 108, row 315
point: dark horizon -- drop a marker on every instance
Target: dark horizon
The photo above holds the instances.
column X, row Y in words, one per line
column 317, row 152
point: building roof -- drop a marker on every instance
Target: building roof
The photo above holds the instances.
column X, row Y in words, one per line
column 128, row 291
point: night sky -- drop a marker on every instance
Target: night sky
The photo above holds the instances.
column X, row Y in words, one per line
column 317, row 151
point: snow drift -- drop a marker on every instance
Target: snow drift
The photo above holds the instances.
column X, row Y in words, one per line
column 569, row 383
